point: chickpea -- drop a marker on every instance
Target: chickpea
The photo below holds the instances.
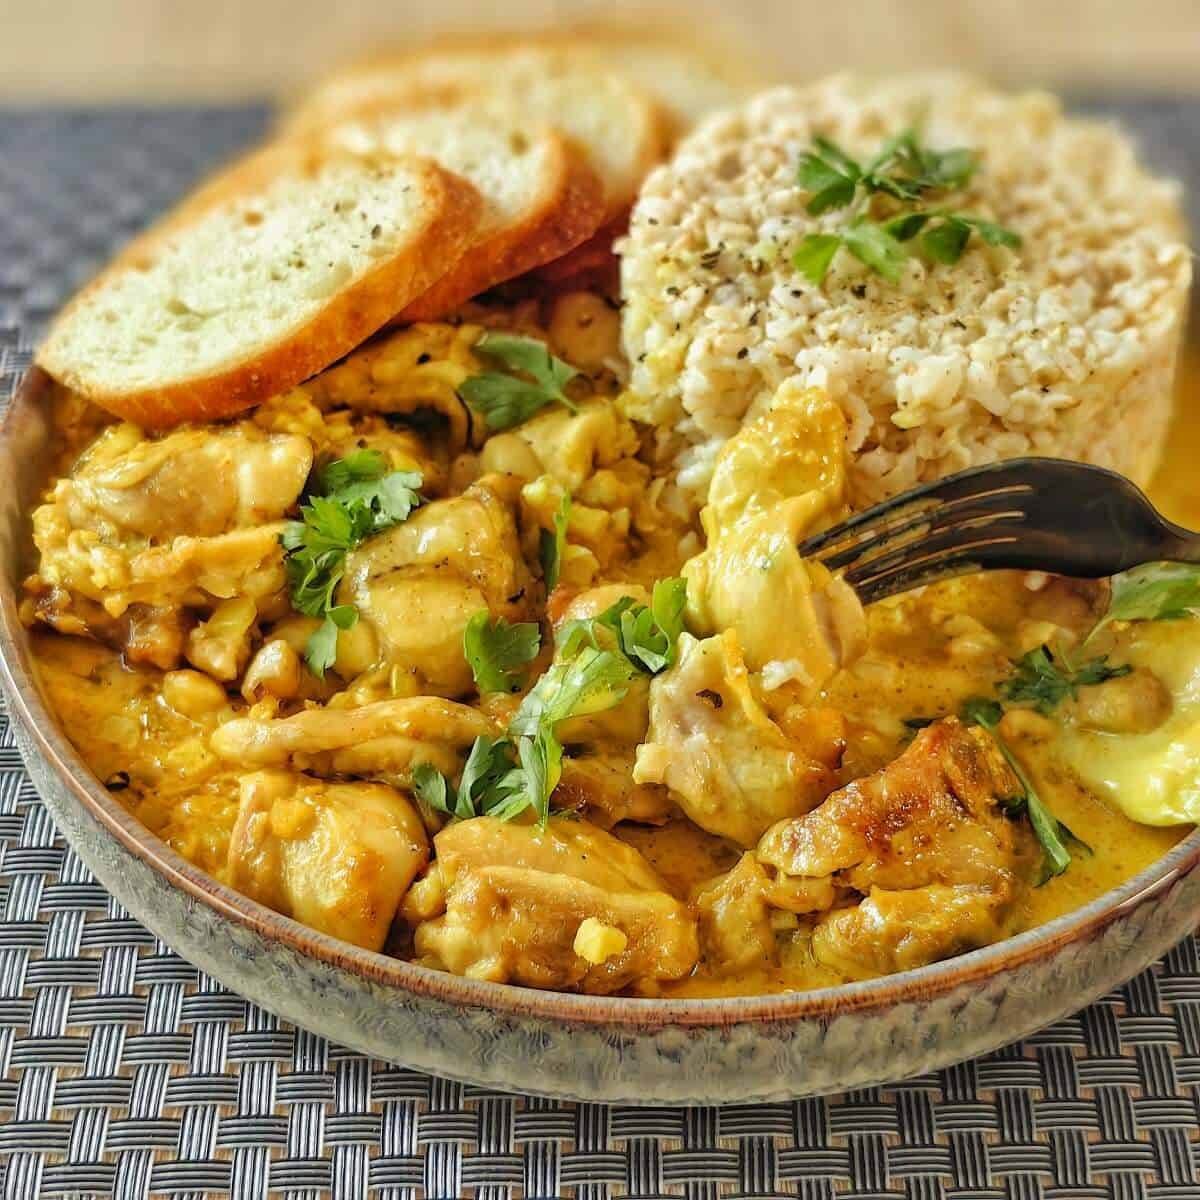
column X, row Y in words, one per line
column 509, row 454
column 295, row 630
column 1133, row 703
column 1024, row 723
column 221, row 646
column 193, row 694
column 585, row 329
column 357, row 650
column 273, row 671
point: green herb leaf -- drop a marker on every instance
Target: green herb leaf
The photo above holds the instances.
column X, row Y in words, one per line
column 1039, row 679
column 591, row 682
column 1050, row 832
column 430, row 786
column 815, row 254
column 536, row 378
column 551, row 544
column 946, row 241
column 829, row 175
column 482, row 787
column 498, row 650
column 540, row 757
column 873, row 246
column 355, row 497
column 907, row 226
column 356, row 467
column 503, row 400
column 981, row 710
column 906, row 171
column 1156, row 592
column 993, row 234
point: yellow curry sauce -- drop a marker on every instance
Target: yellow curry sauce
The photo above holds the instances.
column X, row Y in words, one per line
column 924, row 654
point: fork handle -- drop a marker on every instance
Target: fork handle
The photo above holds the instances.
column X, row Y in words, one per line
column 1178, row 545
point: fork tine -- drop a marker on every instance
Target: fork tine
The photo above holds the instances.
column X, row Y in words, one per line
column 910, row 521
column 872, row 523
column 970, row 529
column 943, row 562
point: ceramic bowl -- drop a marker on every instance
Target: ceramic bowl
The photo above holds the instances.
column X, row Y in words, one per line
column 612, row 1049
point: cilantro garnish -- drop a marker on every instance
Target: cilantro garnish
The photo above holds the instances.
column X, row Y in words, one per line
column 533, row 379
column 1051, row 833
column 596, row 662
column 353, row 498
column 905, row 172
column 552, row 543
column 646, row 636
column 498, row 650
column 1162, row 591
column 1044, row 681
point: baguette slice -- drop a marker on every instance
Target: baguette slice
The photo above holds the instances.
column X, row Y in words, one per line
column 689, row 77
column 268, row 273
column 540, row 196
column 623, row 131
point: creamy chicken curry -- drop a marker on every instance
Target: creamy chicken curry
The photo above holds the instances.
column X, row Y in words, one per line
column 431, row 654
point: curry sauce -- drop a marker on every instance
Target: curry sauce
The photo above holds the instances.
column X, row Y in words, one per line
column 194, row 685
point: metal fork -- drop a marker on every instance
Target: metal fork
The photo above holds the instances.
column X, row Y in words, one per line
column 1033, row 514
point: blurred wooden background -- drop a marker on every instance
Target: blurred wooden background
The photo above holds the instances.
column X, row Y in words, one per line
column 234, row 49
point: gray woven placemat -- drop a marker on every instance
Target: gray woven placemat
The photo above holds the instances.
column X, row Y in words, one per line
column 126, row 1072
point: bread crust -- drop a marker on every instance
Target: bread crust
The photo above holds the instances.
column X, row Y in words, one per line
column 652, row 130
column 568, row 213
column 447, row 223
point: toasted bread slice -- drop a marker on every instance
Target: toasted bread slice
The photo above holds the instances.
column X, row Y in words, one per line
column 688, row 76
column 623, row 131
column 540, row 196
column 593, row 263
column 271, row 271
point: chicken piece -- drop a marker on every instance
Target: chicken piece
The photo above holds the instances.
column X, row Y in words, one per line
column 417, row 585
column 776, row 480
column 601, row 786
column 338, row 432
column 730, row 768
column 926, row 845
column 505, row 902
column 734, row 917
column 144, row 528
column 381, row 741
column 193, row 483
column 573, row 446
column 338, row 857
column 417, row 370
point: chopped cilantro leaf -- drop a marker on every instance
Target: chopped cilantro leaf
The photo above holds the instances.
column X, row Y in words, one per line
column 534, row 378
column 354, row 497
column 1040, row 680
column 552, row 543
column 497, row 650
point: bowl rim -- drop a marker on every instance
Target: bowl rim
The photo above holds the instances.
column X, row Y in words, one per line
column 28, row 707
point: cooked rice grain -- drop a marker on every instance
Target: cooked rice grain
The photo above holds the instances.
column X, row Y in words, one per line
column 1066, row 347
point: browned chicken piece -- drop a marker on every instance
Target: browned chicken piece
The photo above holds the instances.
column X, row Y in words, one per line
column 417, row 585
column 567, row 907
column 926, row 845
column 601, row 786
column 731, row 769
column 336, row 856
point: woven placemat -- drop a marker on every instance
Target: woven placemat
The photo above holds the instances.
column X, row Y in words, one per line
column 128, row 1073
